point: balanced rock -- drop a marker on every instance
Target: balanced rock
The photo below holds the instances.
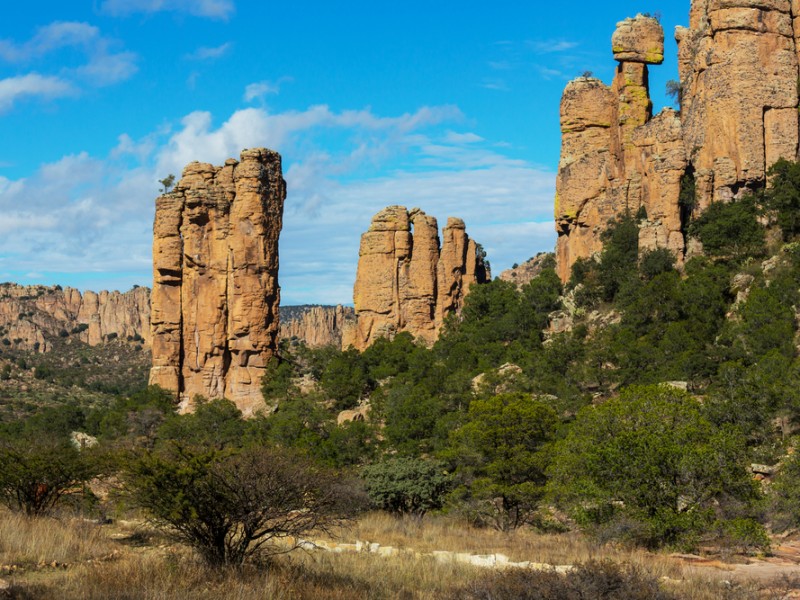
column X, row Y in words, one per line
column 639, row 39
column 215, row 279
column 738, row 65
column 407, row 281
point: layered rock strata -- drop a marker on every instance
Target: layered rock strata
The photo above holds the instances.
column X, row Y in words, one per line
column 738, row 63
column 32, row 316
column 407, row 280
column 316, row 326
column 215, row 279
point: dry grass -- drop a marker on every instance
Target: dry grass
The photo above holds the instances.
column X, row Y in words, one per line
column 28, row 542
column 443, row 533
column 121, row 563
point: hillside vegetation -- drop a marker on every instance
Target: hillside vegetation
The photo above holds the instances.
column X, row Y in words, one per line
column 642, row 404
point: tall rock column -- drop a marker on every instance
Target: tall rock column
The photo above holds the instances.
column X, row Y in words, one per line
column 738, row 67
column 376, row 293
column 585, row 170
column 406, row 281
column 460, row 267
column 215, row 270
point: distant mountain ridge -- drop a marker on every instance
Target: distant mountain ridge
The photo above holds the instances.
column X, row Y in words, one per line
column 32, row 316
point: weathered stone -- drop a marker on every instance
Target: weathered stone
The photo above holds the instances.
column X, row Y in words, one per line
column 32, row 316
column 526, row 272
column 215, row 270
column 585, row 169
column 405, row 281
column 739, row 72
column 318, row 326
column 640, row 39
column 738, row 67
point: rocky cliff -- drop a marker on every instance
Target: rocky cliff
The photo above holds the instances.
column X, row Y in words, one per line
column 317, row 326
column 407, row 280
column 738, row 85
column 31, row 316
column 215, row 279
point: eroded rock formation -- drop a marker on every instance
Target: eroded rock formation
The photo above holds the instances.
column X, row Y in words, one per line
column 739, row 71
column 738, row 63
column 407, row 281
column 524, row 273
column 317, row 326
column 215, row 279
column 32, row 316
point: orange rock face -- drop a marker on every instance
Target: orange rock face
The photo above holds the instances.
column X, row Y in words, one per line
column 739, row 71
column 408, row 282
column 31, row 316
column 215, row 279
column 738, row 64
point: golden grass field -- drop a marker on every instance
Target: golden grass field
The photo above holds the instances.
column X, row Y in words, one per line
column 50, row 558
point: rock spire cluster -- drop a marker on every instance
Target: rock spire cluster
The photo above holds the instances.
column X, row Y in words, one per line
column 31, row 316
column 215, row 279
column 407, row 280
column 738, row 64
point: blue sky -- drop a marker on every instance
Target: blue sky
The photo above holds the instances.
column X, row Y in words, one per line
column 449, row 106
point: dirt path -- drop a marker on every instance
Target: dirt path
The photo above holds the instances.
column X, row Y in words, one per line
column 784, row 562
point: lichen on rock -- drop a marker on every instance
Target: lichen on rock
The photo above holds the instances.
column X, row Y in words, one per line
column 738, row 66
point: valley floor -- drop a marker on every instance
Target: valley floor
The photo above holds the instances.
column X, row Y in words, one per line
column 78, row 559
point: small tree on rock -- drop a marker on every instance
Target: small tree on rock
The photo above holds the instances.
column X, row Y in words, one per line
column 167, row 182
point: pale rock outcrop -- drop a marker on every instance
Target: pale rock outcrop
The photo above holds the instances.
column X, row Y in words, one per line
column 361, row 413
column 32, row 316
column 738, row 65
column 215, row 279
column 526, row 272
column 317, row 326
column 408, row 282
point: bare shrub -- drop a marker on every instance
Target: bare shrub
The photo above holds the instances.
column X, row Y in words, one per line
column 232, row 504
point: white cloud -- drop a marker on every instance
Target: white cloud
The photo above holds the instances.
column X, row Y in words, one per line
column 87, row 214
column 52, row 37
column 214, row 9
column 552, row 46
column 103, row 63
column 210, row 53
column 107, row 69
column 198, row 140
column 259, row 89
column 498, row 85
column 454, row 137
column 32, row 85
